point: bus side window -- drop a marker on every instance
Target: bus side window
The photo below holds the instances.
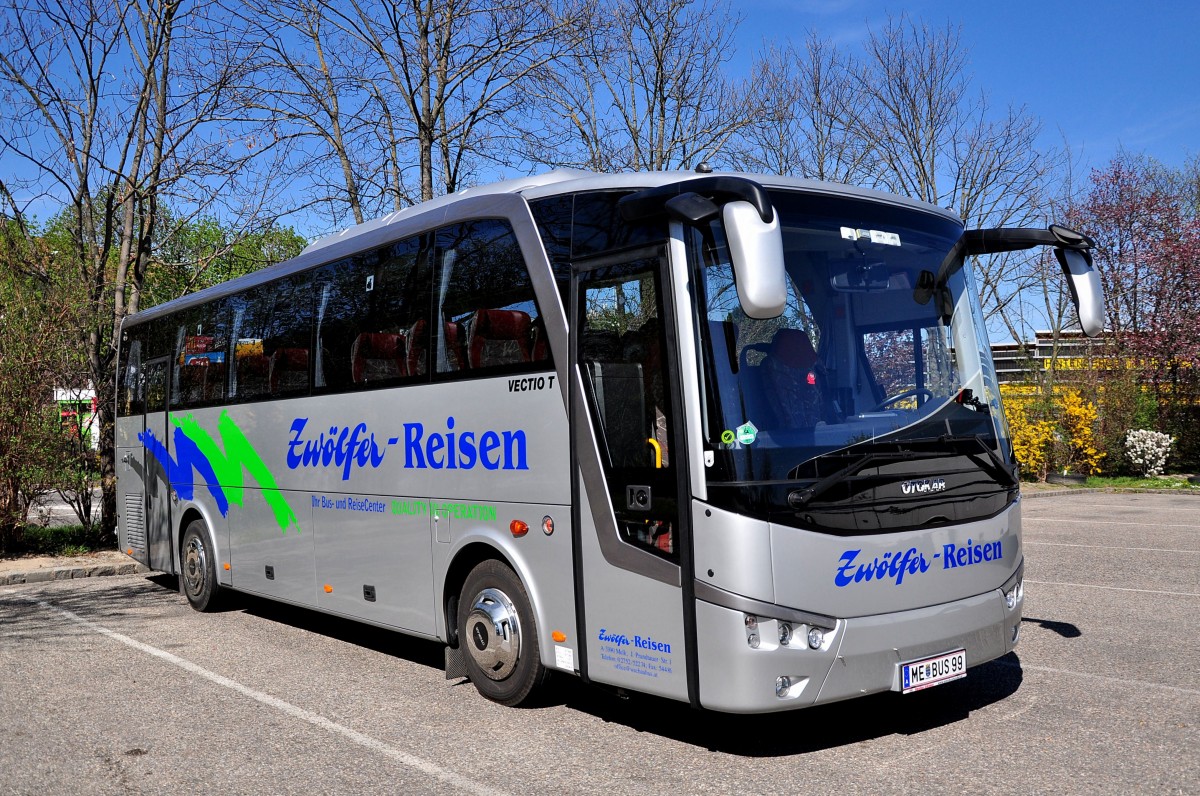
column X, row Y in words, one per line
column 487, row 318
column 371, row 318
column 198, row 364
column 130, row 384
column 249, row 374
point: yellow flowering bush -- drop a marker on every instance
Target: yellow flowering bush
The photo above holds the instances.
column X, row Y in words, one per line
column 1079, row 421
column 1059, row 435
column 1032, row 439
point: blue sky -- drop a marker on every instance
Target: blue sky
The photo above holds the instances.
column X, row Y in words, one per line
column 1100, row 75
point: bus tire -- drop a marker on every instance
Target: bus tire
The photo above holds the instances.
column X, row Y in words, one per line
column 198, row 568
column 498, row 635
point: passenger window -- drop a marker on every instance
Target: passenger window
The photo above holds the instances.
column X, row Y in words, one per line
column 271, row 335
column 371, row 319
column 198, row 373
column 130, row 385
column 487, row 318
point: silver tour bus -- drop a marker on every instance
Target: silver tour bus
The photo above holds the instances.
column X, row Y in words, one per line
column 732, row 440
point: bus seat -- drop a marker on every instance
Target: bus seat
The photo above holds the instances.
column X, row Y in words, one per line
column 378, row 355
column 214, row 382
column 498, row 337
column 289, row 370
column 191, row 381
column 417, row 342
column 251, row 371
column 539, row 346
column 454, row 338
column 794, row 379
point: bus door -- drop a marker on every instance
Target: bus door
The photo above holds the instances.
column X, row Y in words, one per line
column 156, row 479
column 628, row 462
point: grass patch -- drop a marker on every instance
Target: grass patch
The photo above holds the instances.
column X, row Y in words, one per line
column 1179, row 482
column 61, row 540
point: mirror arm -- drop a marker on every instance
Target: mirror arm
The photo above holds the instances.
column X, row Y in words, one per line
column 992, row 241
column 721, row 189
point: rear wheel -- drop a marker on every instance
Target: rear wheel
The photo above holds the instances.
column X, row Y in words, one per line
column 198, row 570
column 498, row 635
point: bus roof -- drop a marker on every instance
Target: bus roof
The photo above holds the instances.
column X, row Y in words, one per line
column 434, row 213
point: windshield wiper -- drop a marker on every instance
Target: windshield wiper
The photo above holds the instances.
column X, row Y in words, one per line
column 940, row 447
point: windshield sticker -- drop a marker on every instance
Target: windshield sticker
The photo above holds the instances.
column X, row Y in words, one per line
column 873, row 235
column 728, row 437
column 747, row 433
column 895, row 566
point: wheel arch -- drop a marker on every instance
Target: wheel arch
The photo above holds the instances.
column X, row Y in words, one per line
column 465, row 560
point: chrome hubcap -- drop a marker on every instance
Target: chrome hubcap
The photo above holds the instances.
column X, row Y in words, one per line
column 492, row 635
column 195, row 565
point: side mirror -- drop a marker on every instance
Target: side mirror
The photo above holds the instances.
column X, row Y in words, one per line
column 756, row 249
column 1084, row 282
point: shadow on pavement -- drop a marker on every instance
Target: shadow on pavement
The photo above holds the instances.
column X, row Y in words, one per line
column 1064, row 629
column 764, row 735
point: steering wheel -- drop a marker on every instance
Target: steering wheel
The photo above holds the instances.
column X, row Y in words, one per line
column 901, row 396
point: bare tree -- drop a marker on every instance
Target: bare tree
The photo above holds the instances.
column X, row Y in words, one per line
column 642, row 88
column 389, row 103
column 806, row 107
column 115, row 109
column 311, row 85
column 937, row 140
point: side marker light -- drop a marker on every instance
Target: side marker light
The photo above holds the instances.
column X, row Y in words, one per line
column 328, row 589
column 558, row 636
column 518, row 528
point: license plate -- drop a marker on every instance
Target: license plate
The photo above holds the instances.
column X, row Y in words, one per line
column 929, row 672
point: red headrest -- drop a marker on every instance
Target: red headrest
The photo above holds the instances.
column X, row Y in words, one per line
column 792, row 347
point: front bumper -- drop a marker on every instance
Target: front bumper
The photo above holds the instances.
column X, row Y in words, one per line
column 859, row 656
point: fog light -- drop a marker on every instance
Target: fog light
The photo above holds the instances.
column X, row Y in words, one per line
column 816, row 637
column 751, row 622
column 752, row 640
column 785, row 633
column 782, row 686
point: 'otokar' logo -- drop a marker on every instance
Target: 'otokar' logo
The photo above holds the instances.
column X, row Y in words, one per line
column 222, row 471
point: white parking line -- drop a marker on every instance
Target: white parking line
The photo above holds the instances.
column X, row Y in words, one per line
column 1115, row 547
column 1193, row 526
column 1112, row 588
column 398, row 755
column 1121, row 681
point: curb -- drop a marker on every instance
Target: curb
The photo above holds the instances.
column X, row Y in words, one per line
column 70, row 573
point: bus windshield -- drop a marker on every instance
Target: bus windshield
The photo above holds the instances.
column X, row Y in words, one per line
column 881, row 352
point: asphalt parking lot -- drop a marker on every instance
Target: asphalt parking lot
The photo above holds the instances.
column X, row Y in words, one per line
column 114, row 685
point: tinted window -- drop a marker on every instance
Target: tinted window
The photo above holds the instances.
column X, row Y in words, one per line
column 129, row 373
column 487, row 317
column 198, row 373
column 270, row 330
column 371, row 319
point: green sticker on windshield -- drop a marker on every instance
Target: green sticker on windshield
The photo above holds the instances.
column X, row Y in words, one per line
column 746, row 434
column 727, row 437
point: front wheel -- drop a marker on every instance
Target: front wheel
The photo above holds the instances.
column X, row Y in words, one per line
column 498, row 635
column 198, row 569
